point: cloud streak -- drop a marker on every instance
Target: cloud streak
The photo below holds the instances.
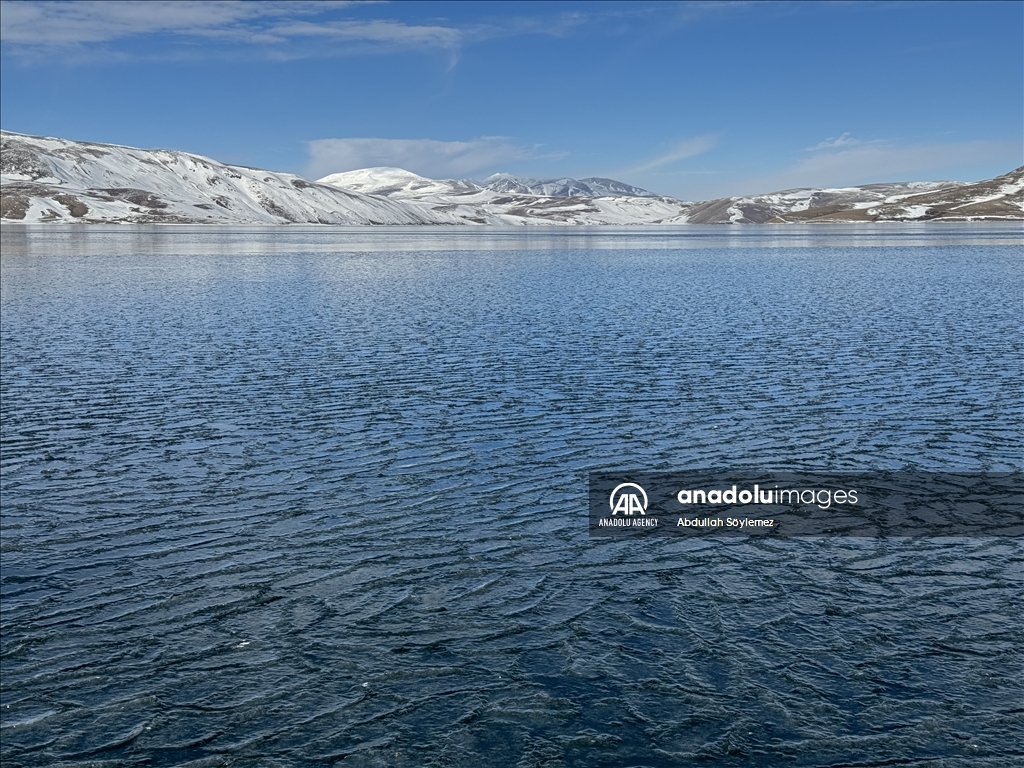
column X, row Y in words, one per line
column 834, row 142
column 41, row 26
column 844, row 163
column 295, row 29
column 378, row 31
column 427, row 157
column 684, row 149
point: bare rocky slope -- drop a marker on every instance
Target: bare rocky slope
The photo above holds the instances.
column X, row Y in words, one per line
column 998, row 199
column 56, row 180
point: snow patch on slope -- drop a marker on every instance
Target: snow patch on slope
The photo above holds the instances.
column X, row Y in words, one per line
column 49, row 179
column 505, row 199
column 395, row 183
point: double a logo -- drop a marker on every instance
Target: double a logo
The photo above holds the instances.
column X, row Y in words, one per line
column 626, row 499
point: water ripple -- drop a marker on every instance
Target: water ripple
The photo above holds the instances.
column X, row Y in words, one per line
column 304, row 498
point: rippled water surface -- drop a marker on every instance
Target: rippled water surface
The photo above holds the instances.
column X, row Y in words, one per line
column 316, row 496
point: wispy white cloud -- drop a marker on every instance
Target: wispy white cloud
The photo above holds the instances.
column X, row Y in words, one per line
column 833, row 142
column 376, row 31
column 557, row 25
column 35, row 26
column 295, row 29
column 848, row 163
column 681, row 151
column 71, row 23
column 427, row 157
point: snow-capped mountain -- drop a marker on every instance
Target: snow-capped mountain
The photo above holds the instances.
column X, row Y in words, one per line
column 51, row 179
column 397, row 184
column 46, row 179
column 54, row 180
column 1001, row 198
column 563, row 187
column 505, row 199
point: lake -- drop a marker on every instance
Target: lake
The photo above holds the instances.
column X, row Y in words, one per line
column 311, row 495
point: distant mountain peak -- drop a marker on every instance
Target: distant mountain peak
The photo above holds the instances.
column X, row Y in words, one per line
column 396, row 183
column 563, row 186
column 392, row 182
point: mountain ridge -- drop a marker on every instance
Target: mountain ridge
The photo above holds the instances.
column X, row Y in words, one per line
column 501, row 199
column 47, row 179
column 592, row 186
column 51, row 179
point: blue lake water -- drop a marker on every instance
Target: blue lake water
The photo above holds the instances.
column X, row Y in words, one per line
column 317, row 496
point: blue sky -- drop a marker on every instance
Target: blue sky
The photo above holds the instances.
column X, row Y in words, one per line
column 695, row 100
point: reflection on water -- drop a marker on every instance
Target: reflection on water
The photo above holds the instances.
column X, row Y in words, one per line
column 303, row 495
column 107, row 240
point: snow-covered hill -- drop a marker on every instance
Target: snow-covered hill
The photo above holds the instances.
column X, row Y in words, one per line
column 48, row 179
column 1001, row 198
column 563, row 187
column 396, row 183
column 504, row 199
